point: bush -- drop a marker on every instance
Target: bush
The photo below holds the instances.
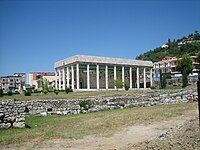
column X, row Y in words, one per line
column 118, row 83
column 1, row 93
column 36, row 91
column 10, row 93
column 85, row 104
column 16, row 92
column 126, row 85
column 27, row 93
column 56, row 92
column 153, row 87
column 45, row 92
column 68, row 90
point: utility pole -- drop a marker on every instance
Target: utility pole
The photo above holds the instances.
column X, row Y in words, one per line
column 198, row 91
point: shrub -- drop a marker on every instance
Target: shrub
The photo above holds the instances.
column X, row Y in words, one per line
column 45, row 92
column 118, row 83
column 10, row 93
column 126, row 86
column 27, row 93
column 1, row 93
column 68, row 90
column 16, row 92
column 36, row 91
column 56, row 92
column 85, row 104
column 153, row 87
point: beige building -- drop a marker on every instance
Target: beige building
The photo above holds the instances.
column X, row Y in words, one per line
column 34, row 77
column 95, row 73
column 168, row 64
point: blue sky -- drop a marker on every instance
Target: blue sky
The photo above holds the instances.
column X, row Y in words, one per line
column 36, row 33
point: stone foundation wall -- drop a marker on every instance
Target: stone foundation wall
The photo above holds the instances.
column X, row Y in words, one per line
column 12, row 113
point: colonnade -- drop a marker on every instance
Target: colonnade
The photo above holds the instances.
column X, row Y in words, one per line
column 66, row 74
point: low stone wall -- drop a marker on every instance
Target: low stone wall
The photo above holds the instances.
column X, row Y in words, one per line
column 12, row 113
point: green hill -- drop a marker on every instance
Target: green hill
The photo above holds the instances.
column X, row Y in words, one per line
column 189, row 44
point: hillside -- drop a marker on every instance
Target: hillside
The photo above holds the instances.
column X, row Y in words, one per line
column 189, row 44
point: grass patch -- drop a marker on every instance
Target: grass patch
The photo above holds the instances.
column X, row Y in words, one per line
column 103, row 123
column 63, row 95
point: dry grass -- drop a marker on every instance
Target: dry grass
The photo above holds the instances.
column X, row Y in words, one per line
column 103, row 123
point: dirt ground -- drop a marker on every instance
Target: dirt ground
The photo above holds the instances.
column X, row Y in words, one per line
column 178, row 133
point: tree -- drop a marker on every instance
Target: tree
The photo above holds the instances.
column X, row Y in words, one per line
column 163, row 81
column 184, row 79
column 185, row 67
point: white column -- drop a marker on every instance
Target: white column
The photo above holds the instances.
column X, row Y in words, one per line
column 68, row 74
column 138, row 78
column 106, row 71
column 123, row 74
column 144, row 77
column 97, row 71
column 130, row 73
column 115, row 75
column 64, row 78
column 88, row 76
column 77, row 76
column 56, row 79
column 151, row 78
column 59, row 83
column 72, row 78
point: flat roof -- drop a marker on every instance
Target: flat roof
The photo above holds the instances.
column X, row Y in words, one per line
column 102, row 60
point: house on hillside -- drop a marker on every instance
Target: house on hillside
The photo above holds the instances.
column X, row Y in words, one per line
column 168, row 65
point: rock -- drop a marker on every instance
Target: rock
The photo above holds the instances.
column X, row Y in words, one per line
column 59, row 113
column 163, row 136
column 43, row 114
column 5, row 125
column 65, row 112
column 2, row 116
column 19, row 124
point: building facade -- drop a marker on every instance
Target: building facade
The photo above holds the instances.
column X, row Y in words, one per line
column 95, row 73
column 13, row 83
column 168, row 65
column 34, row 77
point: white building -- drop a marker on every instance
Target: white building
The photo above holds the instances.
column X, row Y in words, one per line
column 95, row 73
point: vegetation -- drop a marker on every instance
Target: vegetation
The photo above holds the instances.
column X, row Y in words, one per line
column 185, row 67
column 104, row 123
column 27, row 93
column 1, row 93
column 10, row 93
column 85, row 104
column 78, row 95
column 56, row 92
column 163, row 81
column 68, row 90
column 118, row 83
column 198, row 57
column 43, row 84
column 191, row 47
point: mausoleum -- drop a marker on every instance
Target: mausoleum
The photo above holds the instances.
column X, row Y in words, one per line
column 97, row 73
